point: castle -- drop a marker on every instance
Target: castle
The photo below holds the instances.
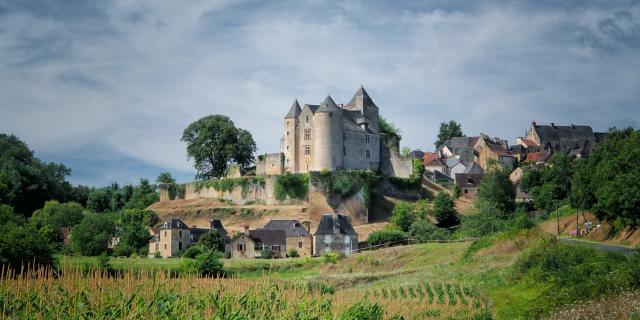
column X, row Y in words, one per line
column 332, row 136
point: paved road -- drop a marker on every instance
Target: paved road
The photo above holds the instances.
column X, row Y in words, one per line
column 600, row 246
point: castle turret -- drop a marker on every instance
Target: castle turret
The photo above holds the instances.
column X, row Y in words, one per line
column 363, row 103
column 290, row 139
column 327, row 136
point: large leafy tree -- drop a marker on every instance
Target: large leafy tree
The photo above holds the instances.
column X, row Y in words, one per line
column 447, row 131
column 608, row 180
column 212, row 241
column 444, row 210
column 214, row 143
column 496, row 188
column 57, row 215
column 91, row 236
column 402, row 216
column 25, row 181
column 20, row 243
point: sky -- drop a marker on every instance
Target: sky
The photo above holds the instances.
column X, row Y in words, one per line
column 107, row 87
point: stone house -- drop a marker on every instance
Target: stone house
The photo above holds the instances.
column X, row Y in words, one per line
column 433, row 163
column 495, row 149
column 250, row 244
column 469, row 183
column 332, row 136
column 458, row 147
column 575, row 140
column 174, row 236
column 335, row 234
column 297, row 236
column 455, row 166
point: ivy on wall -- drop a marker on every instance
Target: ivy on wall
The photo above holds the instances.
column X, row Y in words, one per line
column 292, row 186
column 227, row 185
column 340, row 185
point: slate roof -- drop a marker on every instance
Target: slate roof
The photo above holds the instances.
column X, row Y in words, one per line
column 547, row 133
column 269, row 237
column 452, row 162
column 468, row 180
column 517, row 149
column 312, row 107
column 173, row 223
column 295, row 110
column 340, row 222
column 460, row 143
column 217, row 224
column 327, row 105
column 474, row 168
column 367, row 101
column 292, row 228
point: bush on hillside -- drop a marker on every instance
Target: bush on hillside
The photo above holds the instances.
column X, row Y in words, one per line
column 424, row 230
column 444, row 210
column 569, row 273
column 402, row 216
column 385, row 236
column 293, row 253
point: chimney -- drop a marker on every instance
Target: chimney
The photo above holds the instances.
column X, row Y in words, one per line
column 553, row 125
column 307, row 226
column 573, row 126
column 533, row 123
column 246, row 229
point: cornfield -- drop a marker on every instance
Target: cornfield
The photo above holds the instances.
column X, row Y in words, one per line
column 77, row 294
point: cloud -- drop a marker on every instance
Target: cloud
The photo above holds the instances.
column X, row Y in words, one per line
column 130, row 76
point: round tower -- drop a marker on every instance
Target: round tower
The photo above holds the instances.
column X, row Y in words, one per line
column 290, row 142
column 324, row 132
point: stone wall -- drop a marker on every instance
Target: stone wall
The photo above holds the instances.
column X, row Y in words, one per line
column 254, row 192
column 392, row 164
column 271, row 164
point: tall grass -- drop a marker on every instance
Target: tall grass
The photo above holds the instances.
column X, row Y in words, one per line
column 76, row 294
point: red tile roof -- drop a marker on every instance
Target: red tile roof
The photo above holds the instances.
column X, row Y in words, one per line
column 537, row 156
column 429, row 156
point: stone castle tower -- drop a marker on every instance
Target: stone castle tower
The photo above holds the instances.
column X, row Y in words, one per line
column 332, row 136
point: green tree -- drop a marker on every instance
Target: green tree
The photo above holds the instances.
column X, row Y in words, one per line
column 214, row 142
column 444, row 210
column 447, row 131
column 213, row 240
column 25, row 181
column 402, row 216
column 546, row 197
column 424, row 230
column 20, row 243
column 92, row 235
column 486, row 220
column 496, row 188
column 166, row 179
column 57, row 215
column 385, row 236
column 144, row 195
column 209, row 264
column 387, row 127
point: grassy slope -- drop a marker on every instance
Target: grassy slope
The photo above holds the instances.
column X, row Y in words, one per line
column 486, row 269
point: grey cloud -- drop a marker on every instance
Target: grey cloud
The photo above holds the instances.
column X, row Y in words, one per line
column 131, row 75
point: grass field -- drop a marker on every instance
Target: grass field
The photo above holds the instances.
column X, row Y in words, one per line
column 450, row 281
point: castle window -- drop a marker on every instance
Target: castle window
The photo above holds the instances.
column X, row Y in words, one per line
column 179, row 246
column 366, row 138
column 306, row 119
column 157, row 247
column 307, row 150
column 307, row 134
column 287, row 147
column 165, row 246
column 344, row 150
column 180, row 234
column 287, row 124
column 367, row 153
column 300, row 244
column 287, row 133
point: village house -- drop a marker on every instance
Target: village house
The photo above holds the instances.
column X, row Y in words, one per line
column 574, row 140
column 433, row 164
column 298, row 237
column 469, row 183
column 493, row 149
column 335, row 234
column 251, row 243
column 174, row 236
column 459, row 147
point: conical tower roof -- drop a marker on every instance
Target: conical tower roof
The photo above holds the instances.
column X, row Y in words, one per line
column 327, row 105
column 365, row 98
column 295, row 110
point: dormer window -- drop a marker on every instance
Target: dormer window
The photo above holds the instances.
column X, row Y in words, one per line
column 367, row 138
column 306, row 119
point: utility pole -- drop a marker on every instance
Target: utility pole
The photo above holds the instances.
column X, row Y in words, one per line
column 577, row 224
column 558, row 219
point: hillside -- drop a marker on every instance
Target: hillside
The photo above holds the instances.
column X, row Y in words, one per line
column 198, row 212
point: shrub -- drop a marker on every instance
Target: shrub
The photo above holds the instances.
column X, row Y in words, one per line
column 192, row 252
column 332, row 257
column 402, row 216
column 444, row 210
column 209, row 264
column 385, row 236
column 457, row 191
column 292, row 186
column 293, row 253
column 424, row 230
column 103, row 262
column 212, row 240
column 266, row 253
